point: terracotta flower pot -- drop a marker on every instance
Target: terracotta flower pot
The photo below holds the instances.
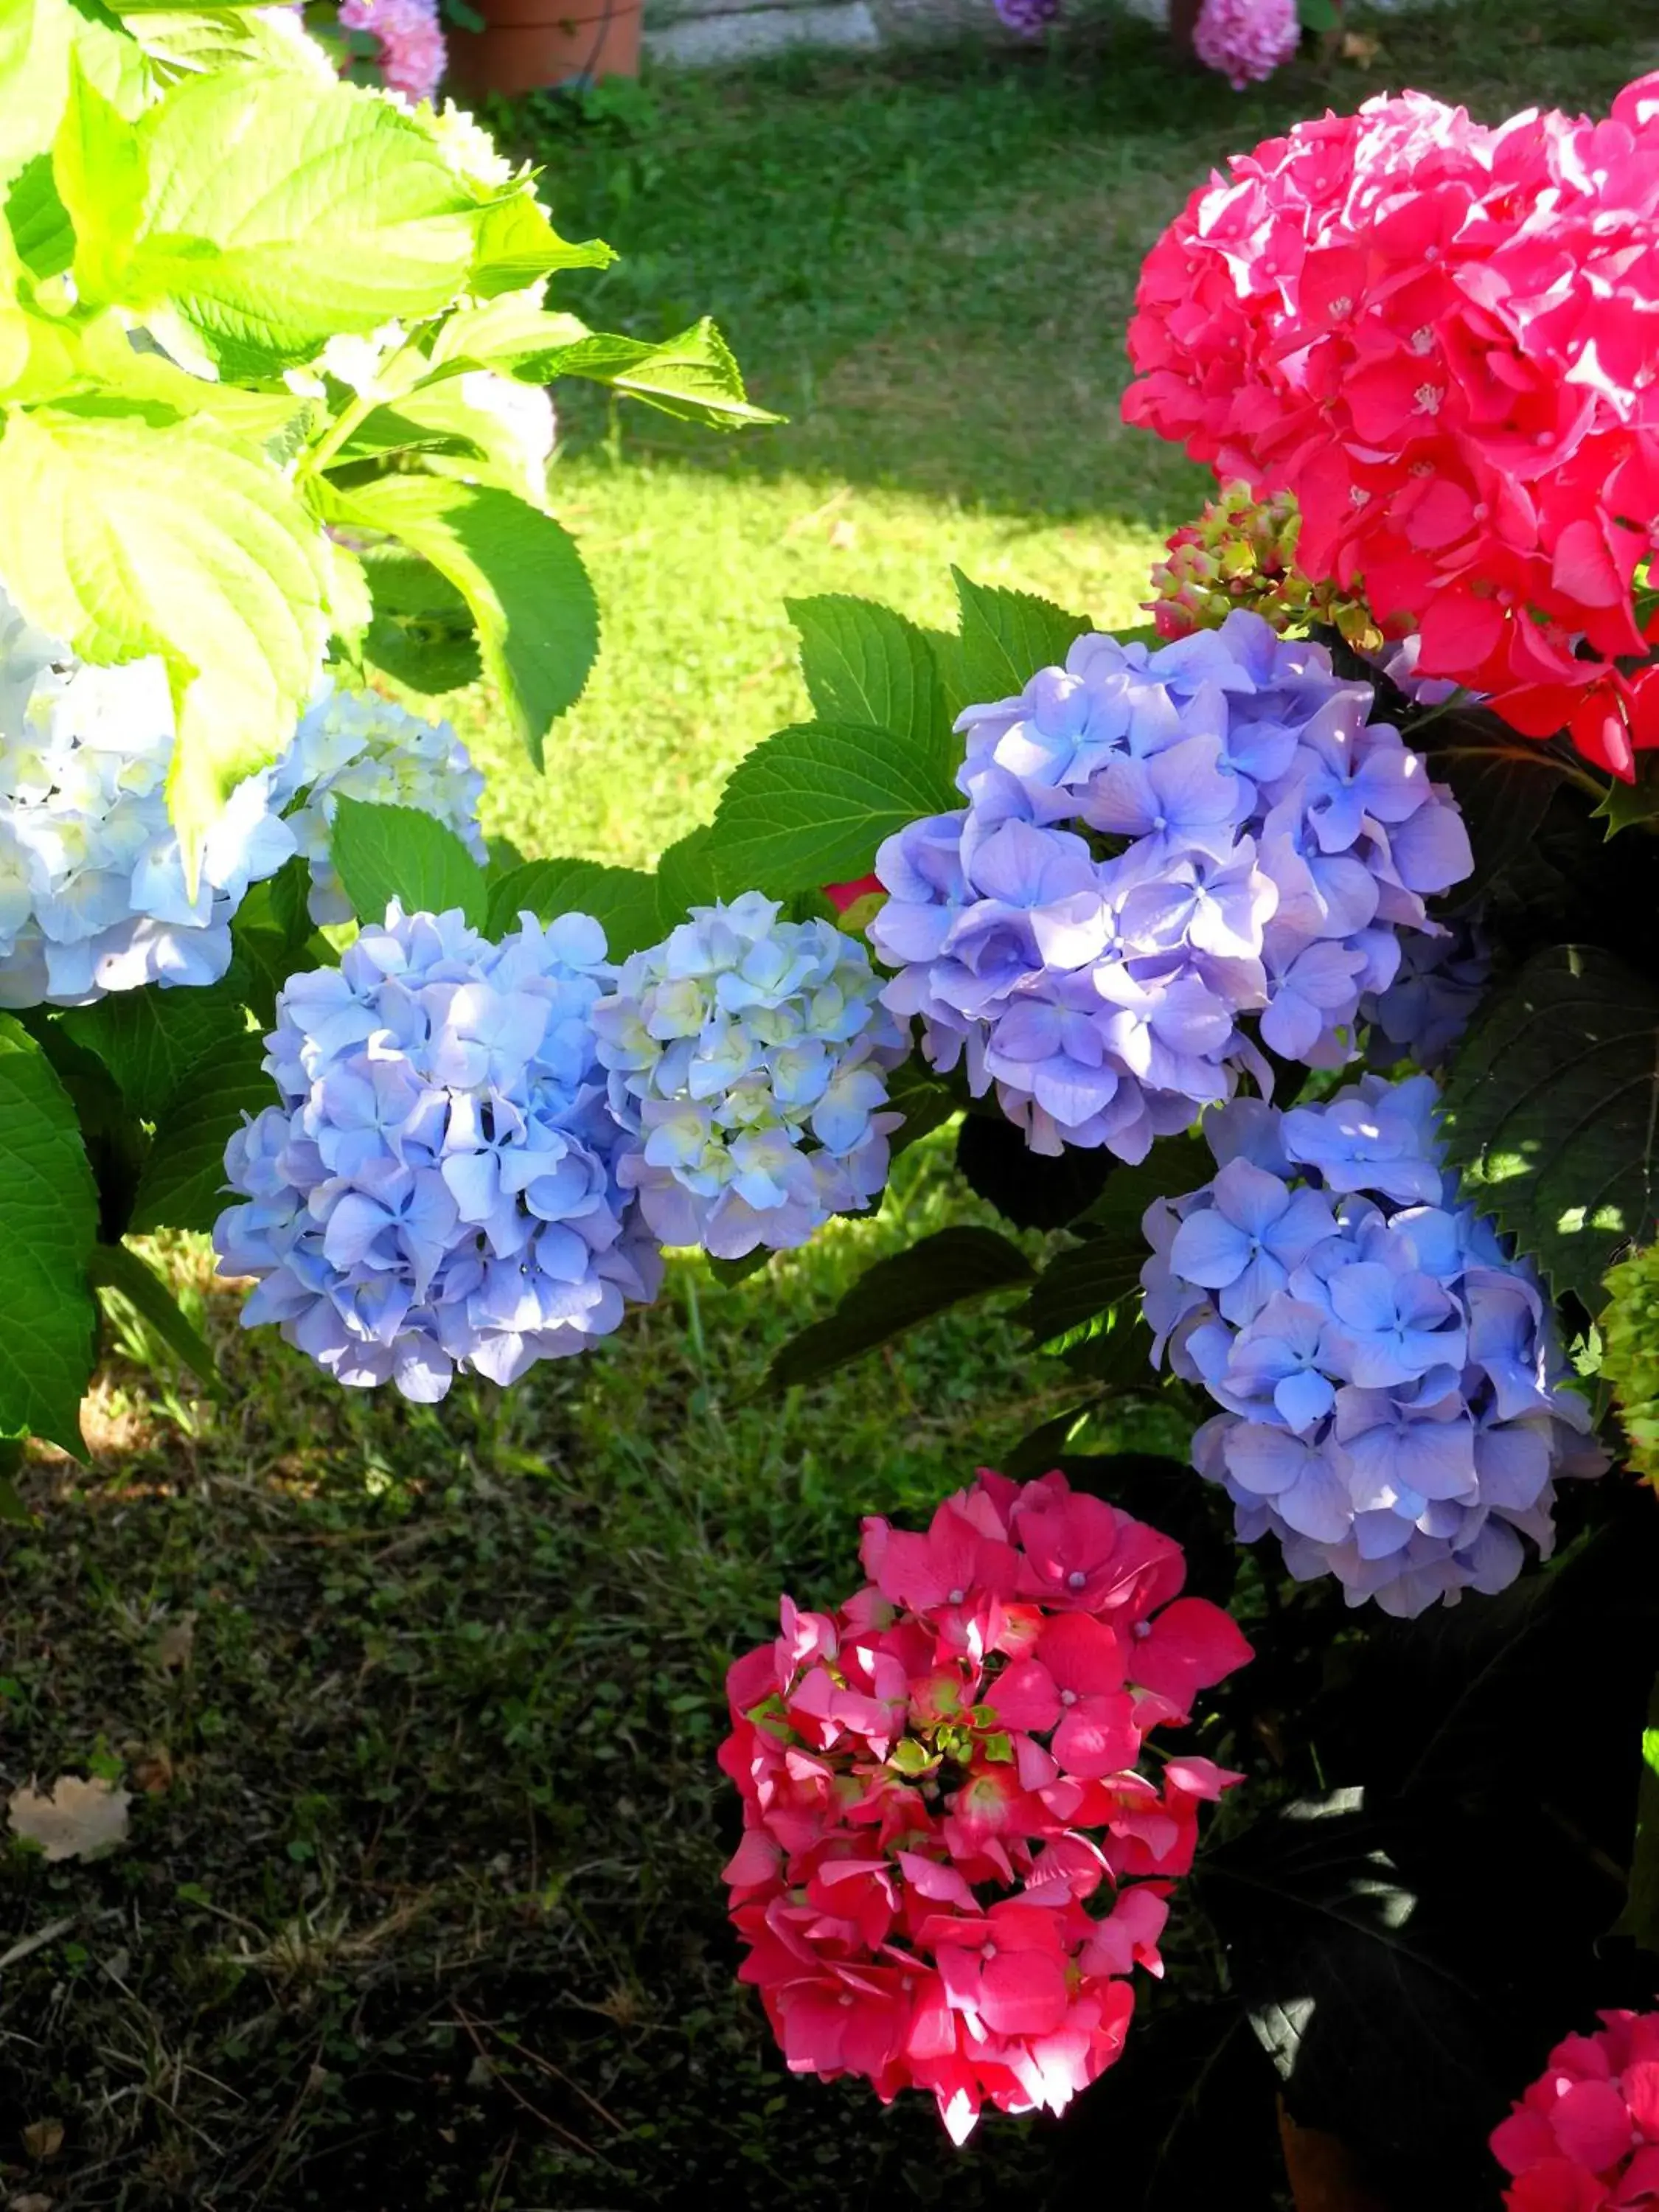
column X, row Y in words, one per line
column 528, row 45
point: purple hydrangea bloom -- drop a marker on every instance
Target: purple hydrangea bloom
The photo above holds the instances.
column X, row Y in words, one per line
column 1395, row 1407
column 1166, row 854
column 439, row 1188
column 748, row 1056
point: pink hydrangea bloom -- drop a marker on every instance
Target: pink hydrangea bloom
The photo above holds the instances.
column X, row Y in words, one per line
column 949, row 1864
column 1586, row 2134
column 1441, row 336
column 1246, row 39
column 412, row 52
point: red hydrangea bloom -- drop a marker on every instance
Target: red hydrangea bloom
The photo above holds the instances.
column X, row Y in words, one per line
column 1586, row 2134
column 1443, row 339
column 950, row 1863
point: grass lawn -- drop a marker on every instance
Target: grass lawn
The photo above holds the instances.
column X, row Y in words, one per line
column 421, row 1904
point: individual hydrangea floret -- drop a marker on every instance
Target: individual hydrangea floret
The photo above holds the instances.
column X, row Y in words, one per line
column 1396, row 1399
column 93, row 895
column 1246, row 40
column 1158, row 846
column 438, row 1190
column 357, row 744
column 748, row 1056
column 951, row 1860
column 1427, row 1007
column 1586, row 2134
column 1629, row 1354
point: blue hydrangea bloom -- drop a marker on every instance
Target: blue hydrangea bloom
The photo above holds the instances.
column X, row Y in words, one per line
column 439, row 1188
column 749, row 1056
column 1395, row 1407
column 1166, row 856
column 92, row 897
column 356, row 745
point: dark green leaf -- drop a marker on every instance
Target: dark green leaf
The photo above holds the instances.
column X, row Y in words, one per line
column 810, row 806
column 1318, row 15
column 422, row 632
column 1504, row 785
column 1031, row 1189
column 147, row 1039
column 866, row 665
column 1632, row 806
column 728, row 1273
column 1342, row 1986
column 623, row 901
column 1078, row 1287
column 111, row 1130
column 1006, row 636
column 926, row 1102
column 48, row 1221
column 383, row 852
column 117, row 1267
column 1552, row 1113
column 518, row 570
column 687, row 876
column 183, row 1185
column 1640, row 1918
column 13, row 1512
column 942, row 1271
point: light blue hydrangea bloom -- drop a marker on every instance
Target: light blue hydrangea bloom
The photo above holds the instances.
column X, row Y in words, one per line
column 438, row 1190
column 356, row 745
column 92, row 882
column 749, row 1054
column 1166, row 855
column 1395, row 1401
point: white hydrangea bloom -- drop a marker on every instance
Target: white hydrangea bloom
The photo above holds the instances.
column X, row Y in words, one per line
column 525, row 411
column 92, row 881
column 356, row 745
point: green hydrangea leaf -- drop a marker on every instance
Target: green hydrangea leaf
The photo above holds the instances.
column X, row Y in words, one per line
column 810, row 806
column 48, row 1223
column 1551, row 1113
column 117, row 1267
column 132, row 534
column 866, row 665
column 421, row 631
column 383, row 852
column 279, row 212
column 1006, row 636
column 183, row 1185
column 516, row 244
column 519, row 572
column 149, row 1039
column 623, row 901
column 940, row 1271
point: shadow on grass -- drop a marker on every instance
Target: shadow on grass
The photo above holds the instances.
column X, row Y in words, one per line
column 928, row 262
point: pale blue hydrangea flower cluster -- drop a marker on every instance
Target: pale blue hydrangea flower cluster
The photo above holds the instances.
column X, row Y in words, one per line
column 93, row 895
column 748, row 1055
column 439, row 1189
column 1241, row 843
column 1396, row 1408
column 356, row 745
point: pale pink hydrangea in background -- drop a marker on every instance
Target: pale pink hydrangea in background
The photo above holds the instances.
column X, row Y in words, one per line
column 412, row 54
column 1246, row 39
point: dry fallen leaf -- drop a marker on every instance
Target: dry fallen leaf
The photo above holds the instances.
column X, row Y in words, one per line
column 1357, row 47
column 76, row 1821
column 33, row 2201
column 153, row 1772
column 43, row 2139
column 176, row 1644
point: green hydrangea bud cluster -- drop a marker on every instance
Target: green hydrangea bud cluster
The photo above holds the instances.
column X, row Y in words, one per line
column 1629, row 1354
column 1241, row 552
